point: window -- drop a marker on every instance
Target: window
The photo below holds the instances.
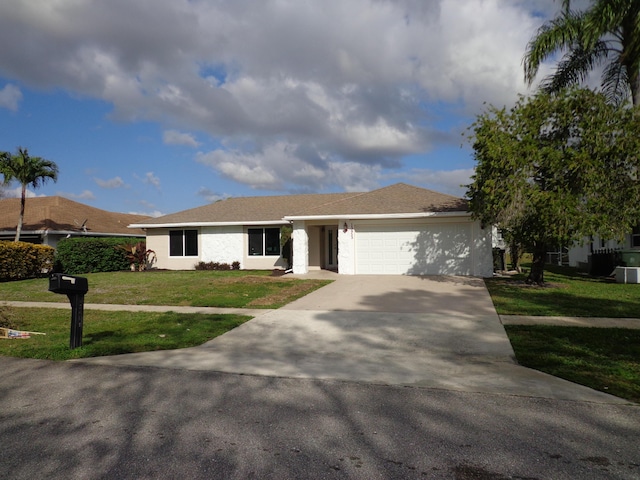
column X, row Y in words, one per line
column 183, row 243
column 264, row 242
column 635, row 236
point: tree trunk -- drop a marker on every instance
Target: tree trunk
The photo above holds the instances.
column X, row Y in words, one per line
column 21, row 218
column 536, row 275
column 514, row 250
column 634, row 84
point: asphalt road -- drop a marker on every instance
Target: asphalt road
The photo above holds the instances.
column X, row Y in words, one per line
column 64, row 420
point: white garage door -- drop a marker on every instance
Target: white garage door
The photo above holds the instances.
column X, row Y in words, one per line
column 441, row 249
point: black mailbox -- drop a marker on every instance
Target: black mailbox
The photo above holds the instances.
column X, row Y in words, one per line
column 61, row 283
column 74, row 288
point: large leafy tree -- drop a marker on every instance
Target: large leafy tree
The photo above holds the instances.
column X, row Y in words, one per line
column 556, row 168
column 27, row 170
column 607, row 33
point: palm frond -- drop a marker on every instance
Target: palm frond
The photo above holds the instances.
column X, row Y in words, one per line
column 561, row 33
column 615, row 84
column 575, row 67
column 607, row 31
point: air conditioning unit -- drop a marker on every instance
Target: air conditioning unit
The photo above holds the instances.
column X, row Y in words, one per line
column 627, row 274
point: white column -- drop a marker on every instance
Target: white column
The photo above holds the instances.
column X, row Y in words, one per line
column 346, row 248
column 300, row 248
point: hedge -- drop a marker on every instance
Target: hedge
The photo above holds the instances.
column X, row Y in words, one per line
column 90, row 255
column 20, row 260
column 217, row 266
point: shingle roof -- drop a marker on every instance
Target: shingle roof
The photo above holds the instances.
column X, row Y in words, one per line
column 395, row 199
column 64, row 215
column 249, row 209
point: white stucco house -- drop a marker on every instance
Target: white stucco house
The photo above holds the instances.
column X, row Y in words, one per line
column 579, row 254
column 399, row 229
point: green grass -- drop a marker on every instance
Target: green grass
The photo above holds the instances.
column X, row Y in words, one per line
column 605, row 359
column 567, row 293
column 240, row 289
column 110, row 333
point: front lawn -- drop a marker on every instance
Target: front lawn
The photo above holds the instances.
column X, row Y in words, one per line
column 110, row 333
column 238, row 288
column 605, row 359
column 567, row 293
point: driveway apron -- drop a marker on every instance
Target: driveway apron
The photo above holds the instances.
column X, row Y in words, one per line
column 438, row 332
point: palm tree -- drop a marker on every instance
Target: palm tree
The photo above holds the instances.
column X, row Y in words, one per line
column 607, row 33
column 27, row 170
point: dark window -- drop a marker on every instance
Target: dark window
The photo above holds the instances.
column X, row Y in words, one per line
column 264, row 241
column 255, row 241
column 191, row 243
column 183, row 243
column 635, row 236
column 272, row 241
column 175, row 243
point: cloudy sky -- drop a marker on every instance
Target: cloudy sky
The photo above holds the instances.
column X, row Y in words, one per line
column 155, row 106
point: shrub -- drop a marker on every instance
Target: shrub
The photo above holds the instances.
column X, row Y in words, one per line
column 139, row 256
column 20, row 260
column 217, row 266
column 90, row 255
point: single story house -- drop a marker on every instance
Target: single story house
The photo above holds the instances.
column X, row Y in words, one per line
column 399, row 229
column 48, row 219
column 579, row 254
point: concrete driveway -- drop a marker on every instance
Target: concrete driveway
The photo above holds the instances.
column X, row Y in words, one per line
column 440, row 332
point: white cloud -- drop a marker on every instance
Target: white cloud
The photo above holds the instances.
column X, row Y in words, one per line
column 302, row 95
column 112, row 183
column 151, row 179
column 85, row 195
column 445, row 181
column 148, row 213
column 150, row 210
column 17, row 193
column 174, row 137
column 286, row 166
column 210, row 196
column 10, row 97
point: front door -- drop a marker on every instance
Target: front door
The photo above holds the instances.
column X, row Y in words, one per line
column 332, row 248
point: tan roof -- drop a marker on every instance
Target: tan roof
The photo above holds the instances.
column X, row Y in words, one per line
column 395, row 199
column 60, row 214
column 249, row 209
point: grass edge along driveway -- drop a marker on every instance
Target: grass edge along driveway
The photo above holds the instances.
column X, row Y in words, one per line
column 605, row 359
column 112, row 333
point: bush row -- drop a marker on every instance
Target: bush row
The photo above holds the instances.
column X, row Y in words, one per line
column 217, row 266
column 20, row 260
column 91, row 255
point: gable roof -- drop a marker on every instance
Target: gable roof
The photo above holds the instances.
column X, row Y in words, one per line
column 61, row 215
column 395, row 199
column 398, row 199
column 241, row 210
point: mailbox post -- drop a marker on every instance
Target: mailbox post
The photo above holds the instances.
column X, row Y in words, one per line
column 74, row 288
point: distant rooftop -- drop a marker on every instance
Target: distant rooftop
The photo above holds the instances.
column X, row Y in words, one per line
column 61, row 215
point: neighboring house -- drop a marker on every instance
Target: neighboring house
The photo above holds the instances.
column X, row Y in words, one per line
column 400, row 229
column 579, row 254
column 48, row 219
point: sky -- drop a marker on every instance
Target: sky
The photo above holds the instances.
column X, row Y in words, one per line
column 157, row 106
